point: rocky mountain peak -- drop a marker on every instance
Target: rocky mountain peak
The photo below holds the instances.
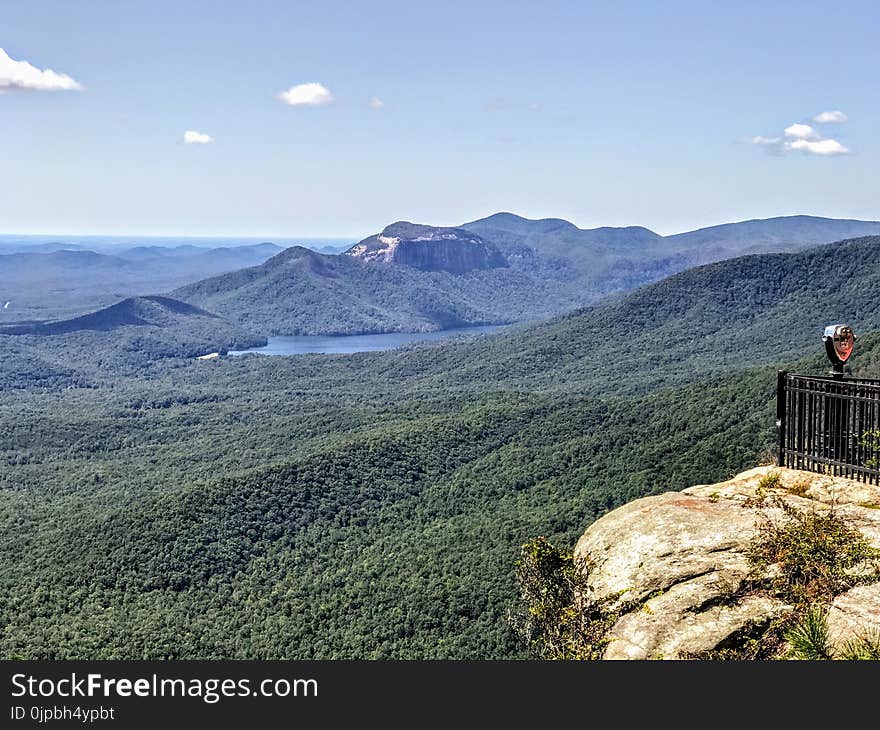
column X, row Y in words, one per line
column 429, row 248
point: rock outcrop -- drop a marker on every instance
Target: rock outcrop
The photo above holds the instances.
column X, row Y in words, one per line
column 675, row 564
column 428, row 248
column 854, row 613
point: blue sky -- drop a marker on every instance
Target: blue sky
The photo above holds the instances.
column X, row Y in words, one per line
column 604, row 113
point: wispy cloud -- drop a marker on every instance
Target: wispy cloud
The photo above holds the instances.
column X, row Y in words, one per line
column 800, row 137
column 375, row 103
column 190, row 136
column 22, row 76
column 833, row 117
column 311, row 94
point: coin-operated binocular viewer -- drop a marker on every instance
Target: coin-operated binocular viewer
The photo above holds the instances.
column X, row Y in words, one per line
column 839, row 342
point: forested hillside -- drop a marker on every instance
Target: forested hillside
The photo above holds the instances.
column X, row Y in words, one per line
column 392, row 540
column 751, row 310
column 302, row 292
column 125, row 337
column 385, row 529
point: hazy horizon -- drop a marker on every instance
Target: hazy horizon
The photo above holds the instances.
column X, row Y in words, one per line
column 332, row 239
column 122, row 238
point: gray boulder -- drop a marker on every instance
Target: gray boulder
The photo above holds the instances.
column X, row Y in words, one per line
column 675, row 567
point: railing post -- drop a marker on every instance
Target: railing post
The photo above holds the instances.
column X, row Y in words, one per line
column 780, row 417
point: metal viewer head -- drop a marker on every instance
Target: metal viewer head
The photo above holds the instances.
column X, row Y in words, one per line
column 839, row 341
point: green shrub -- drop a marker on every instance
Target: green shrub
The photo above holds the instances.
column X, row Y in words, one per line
column 811, row 556
column 771, row 480
column 871, row 442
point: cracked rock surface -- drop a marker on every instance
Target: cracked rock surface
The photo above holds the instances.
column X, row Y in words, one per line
column 676, row 565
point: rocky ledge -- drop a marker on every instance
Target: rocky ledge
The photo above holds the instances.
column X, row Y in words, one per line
column 676, row 569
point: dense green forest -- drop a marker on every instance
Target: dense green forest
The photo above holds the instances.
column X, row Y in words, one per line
column 373, row 505
column 393, row 537
column 273, row 520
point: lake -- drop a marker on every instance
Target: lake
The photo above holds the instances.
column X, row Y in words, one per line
column 348, row 344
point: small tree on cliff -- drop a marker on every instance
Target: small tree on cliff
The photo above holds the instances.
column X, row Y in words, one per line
column 556, row 620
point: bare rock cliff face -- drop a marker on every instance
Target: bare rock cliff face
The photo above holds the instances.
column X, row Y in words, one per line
column 680, row 560
column 428, row 248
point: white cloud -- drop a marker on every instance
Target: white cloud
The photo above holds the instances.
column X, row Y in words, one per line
column 824, row 147
column 20, row 75
column 535, row 107
column 311, row 94
column 800, row 137
column 375, row 103
column 190, row 136
column 834, row 117
column 801, row 131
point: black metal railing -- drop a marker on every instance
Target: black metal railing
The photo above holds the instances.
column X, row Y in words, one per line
column 829, row 425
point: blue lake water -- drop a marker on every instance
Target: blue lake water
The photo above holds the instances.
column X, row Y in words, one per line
column 347, row 344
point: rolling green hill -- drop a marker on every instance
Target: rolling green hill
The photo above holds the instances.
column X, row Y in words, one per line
column 149, row 311
column 130, row 334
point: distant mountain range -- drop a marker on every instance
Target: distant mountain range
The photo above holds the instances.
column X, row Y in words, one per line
column 408, row 277
column 52, row 281
column 222, row 256
column 496, row 270
column 113, row 245
column 617, row 256
column 553, row 235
